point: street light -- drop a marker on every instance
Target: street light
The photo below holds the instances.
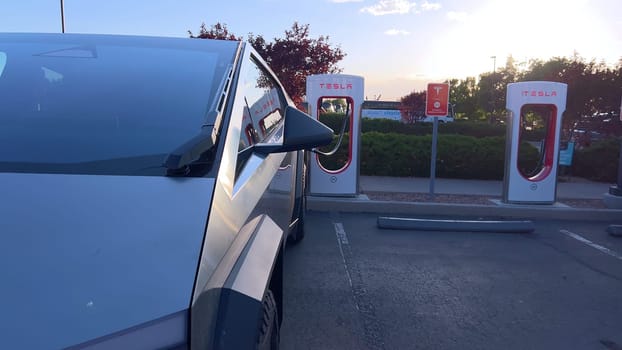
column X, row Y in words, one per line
column 492, row 89
column 62, row 15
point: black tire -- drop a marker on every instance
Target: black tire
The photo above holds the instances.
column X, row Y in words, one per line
column 269, row 332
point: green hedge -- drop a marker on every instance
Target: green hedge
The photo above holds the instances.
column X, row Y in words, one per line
column 466, row 128
column 409, row 155
column 459, row 127
column 469, row 150
column 598, row 162
column 340, row 158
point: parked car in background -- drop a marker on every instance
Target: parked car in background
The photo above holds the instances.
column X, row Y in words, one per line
column 442, row 119
column 148, row 188
column 445, row 119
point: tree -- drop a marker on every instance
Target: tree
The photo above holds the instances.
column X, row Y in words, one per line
column 607, row 89
column 412, row 106
column 292, row 58
column 491, row 94
column 491, row 89
column 216, row 31
column 297, row 56
column 463, row 93
column 586, row 83
column 592, row 87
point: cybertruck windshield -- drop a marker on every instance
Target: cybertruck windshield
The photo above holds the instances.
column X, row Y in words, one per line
column 84, row 104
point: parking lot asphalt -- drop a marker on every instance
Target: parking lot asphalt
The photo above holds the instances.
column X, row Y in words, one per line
column 351, row 285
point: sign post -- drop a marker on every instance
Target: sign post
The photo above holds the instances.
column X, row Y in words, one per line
column 436, row 105
column 617, row 189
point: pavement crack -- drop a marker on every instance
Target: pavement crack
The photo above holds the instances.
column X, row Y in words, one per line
column 362, row 301
column 574, row 258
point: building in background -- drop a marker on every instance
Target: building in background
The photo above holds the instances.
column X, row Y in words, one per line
column 381, row 109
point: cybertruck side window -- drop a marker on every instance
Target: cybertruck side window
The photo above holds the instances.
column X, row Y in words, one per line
column 263, row 112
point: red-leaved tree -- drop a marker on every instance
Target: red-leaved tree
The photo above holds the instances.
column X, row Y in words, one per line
column 292, row 58
column 216, row 31
column 412, row 106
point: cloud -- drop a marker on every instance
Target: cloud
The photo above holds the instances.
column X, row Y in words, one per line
column 430, row 6
column 457, row 16
column 398, row 7
column 390, row 7
column 393, row 32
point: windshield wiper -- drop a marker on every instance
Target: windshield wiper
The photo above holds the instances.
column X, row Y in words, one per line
column 195, row 151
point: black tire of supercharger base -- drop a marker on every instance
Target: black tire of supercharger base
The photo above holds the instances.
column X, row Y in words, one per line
column 269, row 332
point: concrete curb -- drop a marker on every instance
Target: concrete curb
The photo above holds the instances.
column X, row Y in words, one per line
column 461, row 210
column 510, row 226
column 611, row 201
column 615, row 230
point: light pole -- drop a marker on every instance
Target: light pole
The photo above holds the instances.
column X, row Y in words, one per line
column 492, row 88
column 613, row 199
column 62, row 16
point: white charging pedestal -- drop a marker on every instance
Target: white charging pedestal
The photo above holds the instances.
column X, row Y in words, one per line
column 547, row 101
column 321, row 89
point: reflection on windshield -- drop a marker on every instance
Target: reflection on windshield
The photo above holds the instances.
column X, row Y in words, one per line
column 75, row 52
column 125, row 102
column 52, row 76
column 2, row 62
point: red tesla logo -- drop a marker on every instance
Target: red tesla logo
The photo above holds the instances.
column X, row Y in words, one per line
column 337, row 86
column 539, row 93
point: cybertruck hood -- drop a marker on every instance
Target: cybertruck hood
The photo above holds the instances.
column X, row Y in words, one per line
column 83, row 257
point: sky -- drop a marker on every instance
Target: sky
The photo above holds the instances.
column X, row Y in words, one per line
column 398, row 46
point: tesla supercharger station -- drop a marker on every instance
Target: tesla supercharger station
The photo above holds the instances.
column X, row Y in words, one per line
column 533, row 104
column 336, row 93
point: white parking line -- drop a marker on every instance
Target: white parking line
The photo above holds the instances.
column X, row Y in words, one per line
column 362, row 301
column 342, row 239
column 592, row 244
column 341, row 233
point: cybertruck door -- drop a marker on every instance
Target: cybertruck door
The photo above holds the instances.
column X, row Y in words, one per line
column 245, row 209
column 242, row 192
column 265, row 181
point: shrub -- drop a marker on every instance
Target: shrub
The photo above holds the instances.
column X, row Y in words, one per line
column 457, row 156
column 466, row 128
column 475, row 129
column 340, row 158
column 332, row 120
column 598, row 162
column 468, row 150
